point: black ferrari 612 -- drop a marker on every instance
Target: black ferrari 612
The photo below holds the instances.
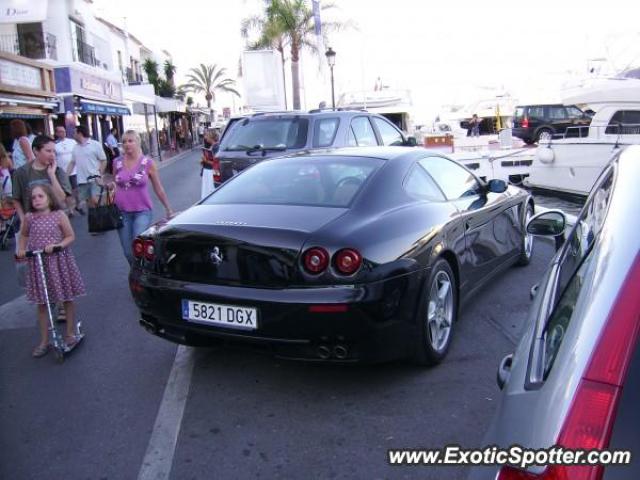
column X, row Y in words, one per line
column 359, row 254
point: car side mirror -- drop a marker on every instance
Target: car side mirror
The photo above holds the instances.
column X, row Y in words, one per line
column 411, row 142
column 547, row 224
column 496, row 186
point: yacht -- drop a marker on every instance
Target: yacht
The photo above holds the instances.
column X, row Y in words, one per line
column 571, row 164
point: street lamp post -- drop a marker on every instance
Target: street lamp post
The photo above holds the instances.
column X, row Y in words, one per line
column 331, row 60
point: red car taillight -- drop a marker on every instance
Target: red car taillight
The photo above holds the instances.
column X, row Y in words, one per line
column 347, row 261
column 316, row 260
column 138, row 248
column 149, row 250
column 217, row 174
column 525, row 122
column 590, row 419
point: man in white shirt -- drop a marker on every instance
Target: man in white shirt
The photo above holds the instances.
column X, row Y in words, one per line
column 89, row 160
column 64, row 149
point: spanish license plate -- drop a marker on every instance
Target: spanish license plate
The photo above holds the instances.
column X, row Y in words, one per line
column 218, row 314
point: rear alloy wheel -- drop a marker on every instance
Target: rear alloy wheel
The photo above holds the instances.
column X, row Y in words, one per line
column 526, row 250
column 544, row 135
column 437, row 314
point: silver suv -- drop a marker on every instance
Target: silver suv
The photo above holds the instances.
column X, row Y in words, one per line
column 250, row 139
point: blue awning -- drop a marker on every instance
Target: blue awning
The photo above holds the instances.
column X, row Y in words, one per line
column 104, row 108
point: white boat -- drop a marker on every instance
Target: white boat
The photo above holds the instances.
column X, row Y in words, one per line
column 511, row 165
column 395, row 105
column 572, row 164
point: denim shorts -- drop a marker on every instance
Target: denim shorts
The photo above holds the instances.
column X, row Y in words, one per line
column 88, row 190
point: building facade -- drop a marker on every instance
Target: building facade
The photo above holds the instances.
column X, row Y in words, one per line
column 62, row 65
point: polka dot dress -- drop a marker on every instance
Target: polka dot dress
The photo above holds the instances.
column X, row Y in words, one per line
column 63, row 276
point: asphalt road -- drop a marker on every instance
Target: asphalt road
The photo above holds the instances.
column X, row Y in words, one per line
column 246, row 414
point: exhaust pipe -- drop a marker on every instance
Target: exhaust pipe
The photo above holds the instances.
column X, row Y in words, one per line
column 323, row 352
column 150, row 327
column 340, row 352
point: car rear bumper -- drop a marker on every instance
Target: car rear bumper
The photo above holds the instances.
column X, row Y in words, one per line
column 378, row 323
column 523, row 133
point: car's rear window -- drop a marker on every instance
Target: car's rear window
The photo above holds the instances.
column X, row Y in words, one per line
column 519, row 112
column 276, row 133
column 315, row 181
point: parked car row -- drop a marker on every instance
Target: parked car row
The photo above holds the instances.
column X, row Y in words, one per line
column 368, row 253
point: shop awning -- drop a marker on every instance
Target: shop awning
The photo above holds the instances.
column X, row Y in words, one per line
column 28, row 101
column 103, row 108
column 23, row 11
column 24, row 116
column 167, row 105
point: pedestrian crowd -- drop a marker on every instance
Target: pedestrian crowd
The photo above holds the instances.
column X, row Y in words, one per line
column 44, row 182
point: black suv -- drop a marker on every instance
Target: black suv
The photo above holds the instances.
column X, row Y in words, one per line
column 534, row 122
column 250, row 139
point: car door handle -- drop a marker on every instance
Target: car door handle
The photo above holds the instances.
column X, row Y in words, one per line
column 504, row 370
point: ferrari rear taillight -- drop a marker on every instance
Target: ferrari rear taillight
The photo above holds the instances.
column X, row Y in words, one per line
column 347, row 261
column 149, row 250
column 217, row 174
column 138, row 248
column 590, row 419
column 316, row 260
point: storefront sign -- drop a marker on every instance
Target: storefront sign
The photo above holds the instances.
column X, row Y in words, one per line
column 17, row 75
column 91, row 86
column 89, row 107
column 69, row 80
column 23, row 11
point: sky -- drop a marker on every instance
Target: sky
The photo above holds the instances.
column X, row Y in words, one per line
column 445, row 53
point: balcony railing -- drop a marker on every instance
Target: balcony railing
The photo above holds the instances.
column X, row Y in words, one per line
column 134, row 78
column 37, row 46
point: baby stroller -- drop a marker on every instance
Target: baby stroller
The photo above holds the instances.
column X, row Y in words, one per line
column 9, row 223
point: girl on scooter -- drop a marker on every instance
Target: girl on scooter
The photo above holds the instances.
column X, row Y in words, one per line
column 46, row 227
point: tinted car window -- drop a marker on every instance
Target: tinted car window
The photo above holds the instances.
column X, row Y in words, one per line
column 390, row 136
column 363, row 132
column 574, row 112
column 272, row 132
column 557, row 113
column 328, row 182
column 455, row 181
column 573, row 266
column 536, row 112
column 419, row 184
column 325, row 132
column 519, row 112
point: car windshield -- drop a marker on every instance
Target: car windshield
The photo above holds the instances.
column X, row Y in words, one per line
column 315, row 181
column 267, row 133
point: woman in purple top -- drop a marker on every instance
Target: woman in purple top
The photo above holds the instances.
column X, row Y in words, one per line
column 132, row 173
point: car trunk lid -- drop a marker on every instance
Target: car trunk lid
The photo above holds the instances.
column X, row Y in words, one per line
column 248, row 245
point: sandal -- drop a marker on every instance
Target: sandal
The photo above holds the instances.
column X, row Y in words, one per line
column 70, row 341
column 40, row 351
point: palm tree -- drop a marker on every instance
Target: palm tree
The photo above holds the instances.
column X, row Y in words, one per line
column 271, row 36
column 295, row 19
column 169, row 71
column 207, row 79
column 150, row 67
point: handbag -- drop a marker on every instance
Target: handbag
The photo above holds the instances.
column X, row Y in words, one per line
column 103, row 218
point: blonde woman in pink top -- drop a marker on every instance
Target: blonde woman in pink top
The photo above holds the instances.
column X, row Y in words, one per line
column 133, row 171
